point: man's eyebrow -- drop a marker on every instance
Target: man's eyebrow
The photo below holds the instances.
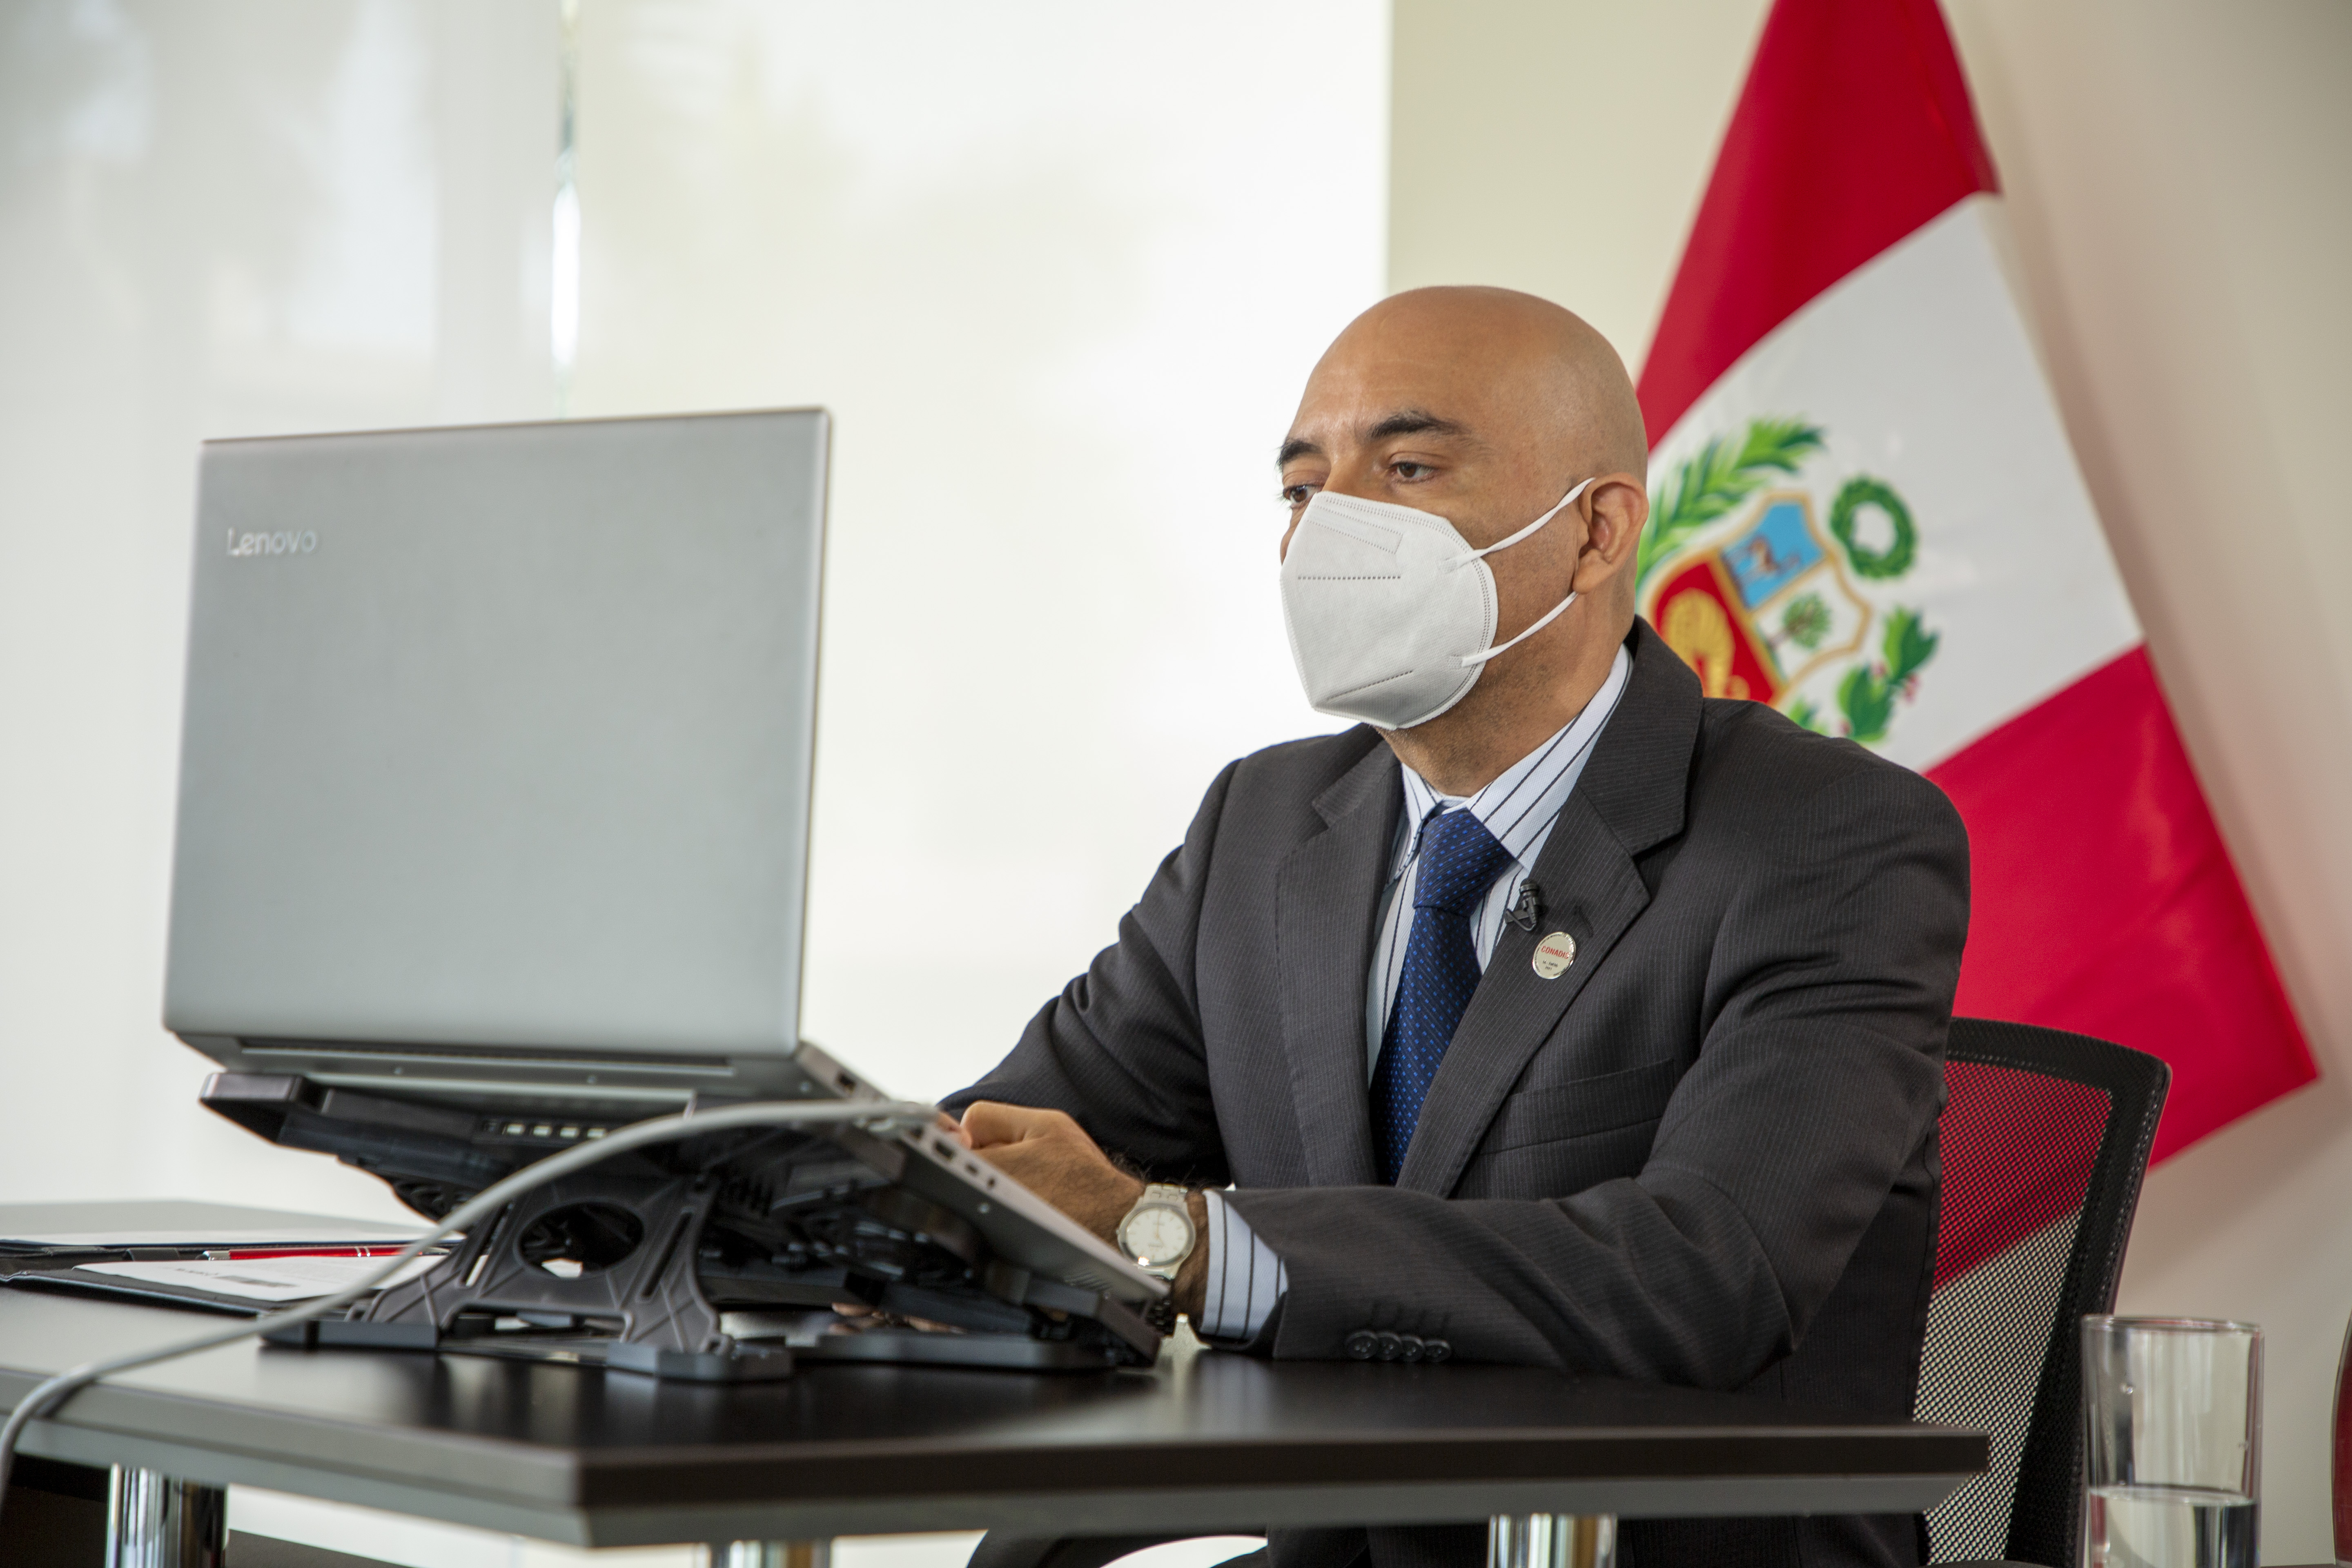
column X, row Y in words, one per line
column 1414, row 422
column 1405, row 422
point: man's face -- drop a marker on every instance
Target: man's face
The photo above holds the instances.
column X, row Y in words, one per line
column 1447, row 421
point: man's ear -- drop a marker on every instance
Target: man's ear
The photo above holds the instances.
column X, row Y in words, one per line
column 1620, row 510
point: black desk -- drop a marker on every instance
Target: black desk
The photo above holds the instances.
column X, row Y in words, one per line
column 594, row 1459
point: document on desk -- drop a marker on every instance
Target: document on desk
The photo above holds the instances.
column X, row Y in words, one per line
column 179, row 1223
column 263, row 1280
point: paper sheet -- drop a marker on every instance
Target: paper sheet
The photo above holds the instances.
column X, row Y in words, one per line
column 261, row 1279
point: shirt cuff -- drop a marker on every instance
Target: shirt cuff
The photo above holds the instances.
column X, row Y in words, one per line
column 1245, row 1282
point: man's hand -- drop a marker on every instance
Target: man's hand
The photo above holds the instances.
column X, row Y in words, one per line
column 1050, row 1153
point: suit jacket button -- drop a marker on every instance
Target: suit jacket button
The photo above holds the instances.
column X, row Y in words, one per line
column 1392, row 1345
column 1416, row 1347
column 1361, row 1345
column 1435, row 1351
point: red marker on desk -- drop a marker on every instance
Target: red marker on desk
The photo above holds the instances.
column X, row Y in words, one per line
column 235, row 1254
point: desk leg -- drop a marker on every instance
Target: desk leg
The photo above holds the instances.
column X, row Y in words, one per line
column 770, row 1554
column 1552, row 1541
column 154, row 1521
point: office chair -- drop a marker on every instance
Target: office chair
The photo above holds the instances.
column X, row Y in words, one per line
column 2045, row 1137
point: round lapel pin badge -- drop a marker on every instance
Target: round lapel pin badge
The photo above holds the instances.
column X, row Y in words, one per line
column 1554, row 954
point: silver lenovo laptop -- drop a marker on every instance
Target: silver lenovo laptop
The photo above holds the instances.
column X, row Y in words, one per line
column 494, row 822
column 494, row 785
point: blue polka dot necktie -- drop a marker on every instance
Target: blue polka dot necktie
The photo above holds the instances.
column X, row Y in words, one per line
column 1459, row 861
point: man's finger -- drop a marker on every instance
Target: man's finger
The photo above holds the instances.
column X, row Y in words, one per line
column 986, row 1122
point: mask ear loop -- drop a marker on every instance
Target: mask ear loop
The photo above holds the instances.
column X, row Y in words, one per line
column 1514, row 539
column 1466, row 660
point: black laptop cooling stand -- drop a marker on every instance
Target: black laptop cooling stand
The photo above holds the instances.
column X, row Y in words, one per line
column 733, row 1257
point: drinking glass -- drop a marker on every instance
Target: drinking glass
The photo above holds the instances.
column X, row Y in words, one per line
column 2172, row 1426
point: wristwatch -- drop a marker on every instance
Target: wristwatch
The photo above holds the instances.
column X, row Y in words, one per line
column 1157, row 1231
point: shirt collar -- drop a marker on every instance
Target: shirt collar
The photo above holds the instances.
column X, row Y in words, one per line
column 1518, row 807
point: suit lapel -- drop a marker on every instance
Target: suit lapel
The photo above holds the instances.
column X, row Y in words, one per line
column 1326, row 900
column 1628, row 799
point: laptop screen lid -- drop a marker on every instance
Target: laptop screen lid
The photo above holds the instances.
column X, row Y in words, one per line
column 495, row 758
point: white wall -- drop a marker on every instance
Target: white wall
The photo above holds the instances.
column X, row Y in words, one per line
column 2181, row 181
column 229, row 218
column 1059, row 268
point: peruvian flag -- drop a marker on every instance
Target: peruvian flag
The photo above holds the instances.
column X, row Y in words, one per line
column 1866, row 513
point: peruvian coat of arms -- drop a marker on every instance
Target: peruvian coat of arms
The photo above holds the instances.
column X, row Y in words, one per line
column 1769, row 596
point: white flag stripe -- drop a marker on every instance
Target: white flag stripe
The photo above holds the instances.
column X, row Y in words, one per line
column 1918, row 371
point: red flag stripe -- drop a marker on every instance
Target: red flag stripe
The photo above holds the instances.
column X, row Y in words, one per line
column 1811, row 184
column 2102, row 899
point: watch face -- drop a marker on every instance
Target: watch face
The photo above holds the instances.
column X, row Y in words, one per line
column 1156, row 1235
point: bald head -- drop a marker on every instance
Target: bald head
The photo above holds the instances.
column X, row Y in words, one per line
column 1485, row 406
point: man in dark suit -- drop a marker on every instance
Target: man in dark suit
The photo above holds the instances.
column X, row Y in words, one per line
column 1583, row 1022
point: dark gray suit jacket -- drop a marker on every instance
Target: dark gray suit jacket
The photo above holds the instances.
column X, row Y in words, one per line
column 1705, row 1154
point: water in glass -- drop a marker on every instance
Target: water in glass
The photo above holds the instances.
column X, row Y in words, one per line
column 2169, row 1527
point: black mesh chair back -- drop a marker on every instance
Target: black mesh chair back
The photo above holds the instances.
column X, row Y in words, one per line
column 2044, row 1138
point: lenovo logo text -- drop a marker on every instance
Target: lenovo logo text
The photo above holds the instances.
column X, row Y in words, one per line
column 300, row 543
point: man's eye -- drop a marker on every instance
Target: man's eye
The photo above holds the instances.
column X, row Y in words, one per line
column 1410, row 470
column 1296, row 495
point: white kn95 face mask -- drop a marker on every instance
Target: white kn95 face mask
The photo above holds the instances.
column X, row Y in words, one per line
column 1392, row 614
